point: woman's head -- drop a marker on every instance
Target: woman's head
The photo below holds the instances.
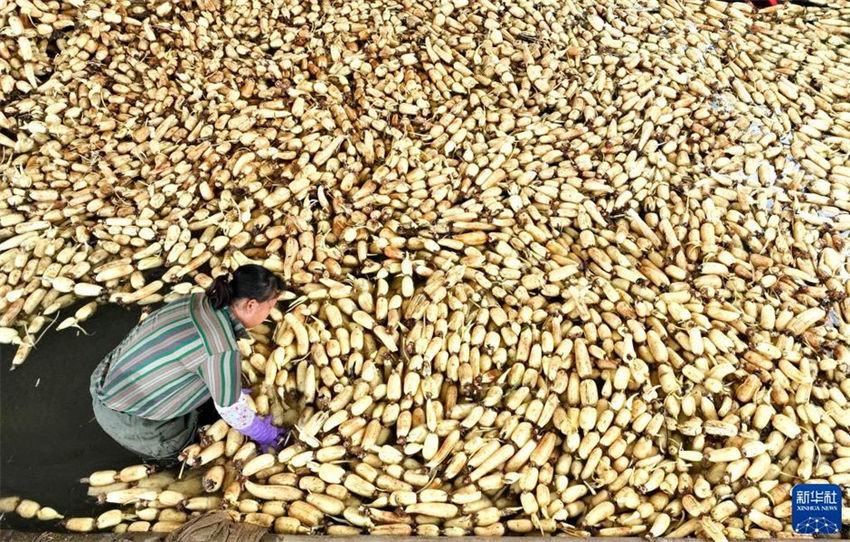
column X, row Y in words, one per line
column 250, row 293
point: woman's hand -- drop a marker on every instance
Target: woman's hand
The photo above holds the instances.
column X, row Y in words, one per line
column 264, row 432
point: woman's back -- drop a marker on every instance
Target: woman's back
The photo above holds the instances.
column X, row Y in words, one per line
column 174, row 360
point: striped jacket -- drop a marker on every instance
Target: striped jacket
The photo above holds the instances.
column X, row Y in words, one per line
column 173, row 361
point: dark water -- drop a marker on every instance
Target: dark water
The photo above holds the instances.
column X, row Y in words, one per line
column 48, row 436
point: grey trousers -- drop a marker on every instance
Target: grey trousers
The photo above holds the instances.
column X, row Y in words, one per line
column 150, row 439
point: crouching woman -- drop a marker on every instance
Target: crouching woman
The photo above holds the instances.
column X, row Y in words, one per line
column 147, row 392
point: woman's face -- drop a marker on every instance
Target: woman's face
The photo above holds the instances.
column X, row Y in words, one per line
column 251, row 312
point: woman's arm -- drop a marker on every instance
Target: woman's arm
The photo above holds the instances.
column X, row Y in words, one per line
column 221, row 372
column 238, row 415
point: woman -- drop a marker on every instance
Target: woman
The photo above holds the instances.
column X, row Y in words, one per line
column 147, row 391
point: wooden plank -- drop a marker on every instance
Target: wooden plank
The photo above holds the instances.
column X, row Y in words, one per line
column 8, row 535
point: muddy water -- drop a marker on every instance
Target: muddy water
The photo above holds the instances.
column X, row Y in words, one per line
column 48, row 436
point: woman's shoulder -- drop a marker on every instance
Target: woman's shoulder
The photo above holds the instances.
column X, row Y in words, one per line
column 212, row 324
column 175, row 309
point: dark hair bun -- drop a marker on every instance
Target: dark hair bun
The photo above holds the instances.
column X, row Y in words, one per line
column 220, row 292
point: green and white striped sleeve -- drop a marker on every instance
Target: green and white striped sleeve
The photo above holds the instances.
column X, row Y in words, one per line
column 222, row 374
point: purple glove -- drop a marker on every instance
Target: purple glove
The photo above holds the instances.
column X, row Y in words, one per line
column 259, row 429
column 263, row 432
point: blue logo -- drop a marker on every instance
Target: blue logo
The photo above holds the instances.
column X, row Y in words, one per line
column 816, row 509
